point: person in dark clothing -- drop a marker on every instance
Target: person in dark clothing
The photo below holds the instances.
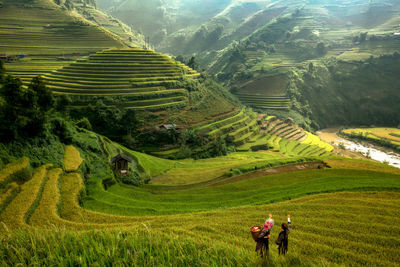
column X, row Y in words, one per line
column 283, row 239
column 263, row 239
column 263, row 243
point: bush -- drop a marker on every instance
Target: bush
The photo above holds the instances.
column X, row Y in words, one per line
column 84, row 123
column 60, row 128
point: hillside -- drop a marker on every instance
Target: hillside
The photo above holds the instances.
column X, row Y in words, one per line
column 89, row 11
column 48, row 36
column 114, row 154
column 264, row 52
column 49, row 198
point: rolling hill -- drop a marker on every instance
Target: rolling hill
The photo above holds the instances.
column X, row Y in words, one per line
column 213, row 167
column 192, row 213
column 266, row 53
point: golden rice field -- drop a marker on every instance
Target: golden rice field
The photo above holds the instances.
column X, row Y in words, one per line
column 345, row 228
column 72, row 159
column 13, row 168
column 391, row 135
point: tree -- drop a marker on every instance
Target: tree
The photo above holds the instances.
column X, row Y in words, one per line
column 193, row 63
column 24, row 111
column 129, row 120
column 62, row 103
column 321, row 50
column 2, row 71
column 45, row 98
column 310, row 67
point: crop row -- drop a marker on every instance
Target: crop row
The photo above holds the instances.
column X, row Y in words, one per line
column 314, row 140
column 164, row 238
column 141, row 93
column 229, row 127
column 15, row 214
column 72, row 159
column 46, row 213
column 11, row 169
column 220, row 123
column 132, row 201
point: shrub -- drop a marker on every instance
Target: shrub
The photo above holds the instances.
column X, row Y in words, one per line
column 60, row 128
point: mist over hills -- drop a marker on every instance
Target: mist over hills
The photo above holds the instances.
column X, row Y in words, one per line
column 248, row 44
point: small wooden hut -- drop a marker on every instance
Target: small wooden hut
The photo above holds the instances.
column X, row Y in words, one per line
column 120, row 163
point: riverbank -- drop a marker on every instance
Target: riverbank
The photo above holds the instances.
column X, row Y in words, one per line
column 356, row 149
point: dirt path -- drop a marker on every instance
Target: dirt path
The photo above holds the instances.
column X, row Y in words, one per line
column 271, row 171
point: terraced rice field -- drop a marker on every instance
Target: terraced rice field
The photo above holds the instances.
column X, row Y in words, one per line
column 241, row 126
column 287, row 139
column 391, row 135
column 44, row 33
column 147, row 79
column 265, row 102
column 332, row 228
column 72, row 159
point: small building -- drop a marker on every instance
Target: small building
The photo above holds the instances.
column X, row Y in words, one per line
column 120, row 163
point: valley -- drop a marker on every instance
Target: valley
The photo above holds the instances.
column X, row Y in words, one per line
column 157, row 133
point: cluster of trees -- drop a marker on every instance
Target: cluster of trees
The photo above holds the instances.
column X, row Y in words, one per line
column 23, row 111
column 120, row 125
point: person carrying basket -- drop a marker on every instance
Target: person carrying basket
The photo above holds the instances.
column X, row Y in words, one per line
column 262, row 236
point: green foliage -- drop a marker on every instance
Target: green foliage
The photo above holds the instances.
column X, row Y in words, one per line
column 129, row 248
column 62, row 129
column 338, row 93
column 62, row 102
column 321, row 49
column 133, row 178
column 84, row 123
column 25, row 111
column 120, row 125
column 2, row 71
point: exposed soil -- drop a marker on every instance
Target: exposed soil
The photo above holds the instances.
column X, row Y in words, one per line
column 330, row 135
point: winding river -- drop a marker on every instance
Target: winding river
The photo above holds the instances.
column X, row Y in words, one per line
column 391, row 158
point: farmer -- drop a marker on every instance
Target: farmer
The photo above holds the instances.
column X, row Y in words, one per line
column 263, row 238
column 283, row 238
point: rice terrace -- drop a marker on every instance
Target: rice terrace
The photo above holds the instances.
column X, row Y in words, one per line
column 199, row 133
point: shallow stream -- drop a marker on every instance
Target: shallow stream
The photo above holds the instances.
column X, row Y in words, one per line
column 391, row 158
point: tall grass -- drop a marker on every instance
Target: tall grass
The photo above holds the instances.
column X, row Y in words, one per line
column 327, row 230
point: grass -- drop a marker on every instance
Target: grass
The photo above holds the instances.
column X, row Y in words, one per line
column 314, row 140
column 222, row 238
column 72, row 159
column 15, row 214
column 7, row 194
column 219, row 123
column 390, row 135
column 13, row 168
column 23, row 31
column 156, row 200
column 136, row 75
column 46, row 213
column 204, row 218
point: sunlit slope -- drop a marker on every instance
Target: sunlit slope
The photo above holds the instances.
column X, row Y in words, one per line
column 347, row 241
column 44, row 33
column 389, row 137
column 51, row 199
column 147, row 78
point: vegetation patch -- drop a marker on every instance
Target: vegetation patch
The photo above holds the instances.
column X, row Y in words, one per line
column 13, row 169
column 72, row 159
